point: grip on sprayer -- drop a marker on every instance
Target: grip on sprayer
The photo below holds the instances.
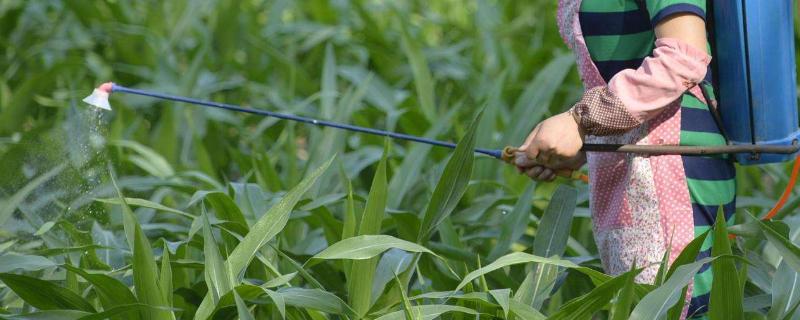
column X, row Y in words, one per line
column 508, row 156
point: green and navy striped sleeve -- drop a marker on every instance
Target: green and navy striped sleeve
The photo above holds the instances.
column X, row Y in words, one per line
column 661, row 9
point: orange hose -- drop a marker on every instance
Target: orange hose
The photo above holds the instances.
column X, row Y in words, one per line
column 787, row 192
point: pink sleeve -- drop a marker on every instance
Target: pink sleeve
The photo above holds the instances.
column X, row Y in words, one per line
column 674, row 67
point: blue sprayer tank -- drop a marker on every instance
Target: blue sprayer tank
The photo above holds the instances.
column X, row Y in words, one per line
column 755, row 76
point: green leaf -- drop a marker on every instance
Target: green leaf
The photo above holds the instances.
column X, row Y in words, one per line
column 428, row 312
column 785, row 285
column 726, row 294
column 145, row 273
column 147, row 204
column 269, row 225
column 414, row 161
column 44, row 295
column 409, row 312
column 165, row 276
column 216, row 275
column 584, row 307
column 452, row 184
column 534, row 101
column 512, row 259
column 502, row 296
column 621, row 308
column 687, row 256
column 12, row 261
column 789, row 252
column 146, row 159
column 359, row 286
column 315, row 299
column 279, row 280
column 514, row 224
column 551, row 240
column 112, row 292
column 366, row 247
column 423, row 81
column 9, row 205
column 553, row 231
column 241, row 308
column 656, row 304
column 49, row 315
column 524, row 311
column 224, row 207
column 118, row 311
column 277, row 299
column 349, row 224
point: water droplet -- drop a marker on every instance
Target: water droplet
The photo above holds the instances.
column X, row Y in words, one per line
column 504, row 212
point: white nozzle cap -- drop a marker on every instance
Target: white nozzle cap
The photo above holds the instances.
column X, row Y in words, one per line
column 98, row 98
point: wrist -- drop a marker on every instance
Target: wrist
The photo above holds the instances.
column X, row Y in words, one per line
column 577, row 114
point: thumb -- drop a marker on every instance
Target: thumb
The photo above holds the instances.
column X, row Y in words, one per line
column 530, row 138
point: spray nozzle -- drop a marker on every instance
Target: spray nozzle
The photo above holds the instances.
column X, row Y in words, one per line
column 99, row 97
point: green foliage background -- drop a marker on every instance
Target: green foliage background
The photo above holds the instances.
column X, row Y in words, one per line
column 216, row 199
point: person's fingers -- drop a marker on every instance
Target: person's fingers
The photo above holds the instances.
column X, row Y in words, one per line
column 555, row 161
column 544, row 158
column 534, row 172
column 521, row 160
column 547, row 175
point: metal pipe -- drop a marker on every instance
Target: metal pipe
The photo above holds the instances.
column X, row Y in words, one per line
column 692, row 150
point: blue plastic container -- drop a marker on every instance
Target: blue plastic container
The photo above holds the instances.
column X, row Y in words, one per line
column 756, row 80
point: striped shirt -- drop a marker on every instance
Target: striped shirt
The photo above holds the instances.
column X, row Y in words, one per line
column 619, row 33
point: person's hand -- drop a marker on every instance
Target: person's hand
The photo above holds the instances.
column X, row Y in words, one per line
column 554, row 142
column 541, row 173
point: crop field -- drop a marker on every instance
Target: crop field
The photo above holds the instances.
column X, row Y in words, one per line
column 162, row 210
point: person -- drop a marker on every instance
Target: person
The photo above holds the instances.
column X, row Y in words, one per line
column 645, row 65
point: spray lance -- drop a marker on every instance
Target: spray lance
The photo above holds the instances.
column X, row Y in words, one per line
column 100, row 95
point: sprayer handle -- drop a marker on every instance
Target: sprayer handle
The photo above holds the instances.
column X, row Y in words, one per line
column 508, row 156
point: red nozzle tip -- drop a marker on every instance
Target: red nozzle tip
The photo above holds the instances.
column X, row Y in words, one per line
column 106, row 87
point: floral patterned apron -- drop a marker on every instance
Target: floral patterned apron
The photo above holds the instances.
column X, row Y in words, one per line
column 640, row 204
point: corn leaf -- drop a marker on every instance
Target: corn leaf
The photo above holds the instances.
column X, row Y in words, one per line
column 145, row 273
column 551, row 240
column 362, row 272
column 269, row 225
column 621, row 308
column 423, row 81
column 366, row 247
column 11, row 204
column 315, row 299
column 726, row 294
column 112, row 292
column 12, row 261
column 452, row 184
column 584, row 307
column 658, row 302
column 146, row 204
column 514, row 224
column 216, row 275
column 428, row 312
column 241, row 308
column 44, row 295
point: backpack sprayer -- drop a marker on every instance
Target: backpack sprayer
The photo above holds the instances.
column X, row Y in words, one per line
column 753, row 50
